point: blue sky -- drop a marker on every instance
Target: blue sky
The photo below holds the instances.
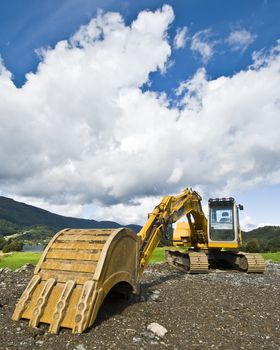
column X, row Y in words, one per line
column 221, row 38
column 27, row 26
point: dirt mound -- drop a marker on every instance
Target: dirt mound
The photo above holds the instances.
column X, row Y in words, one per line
column 215, row 311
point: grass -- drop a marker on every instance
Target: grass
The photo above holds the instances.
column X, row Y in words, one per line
column 16, row 260
column 158, row 255
column 275, row 257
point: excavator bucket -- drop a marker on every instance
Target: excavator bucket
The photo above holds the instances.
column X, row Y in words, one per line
column 75, row 273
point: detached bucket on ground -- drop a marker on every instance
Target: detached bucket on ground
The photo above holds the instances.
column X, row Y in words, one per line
column 75, row 273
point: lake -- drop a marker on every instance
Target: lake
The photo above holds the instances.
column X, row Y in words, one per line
column 33, row 248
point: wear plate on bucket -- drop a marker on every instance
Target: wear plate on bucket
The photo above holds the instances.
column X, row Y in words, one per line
column 75, row 273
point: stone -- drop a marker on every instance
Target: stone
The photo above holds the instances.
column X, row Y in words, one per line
column 80, row 347
column 39, row 342
column 157, row 329
column 154, row 297
column 136, row 339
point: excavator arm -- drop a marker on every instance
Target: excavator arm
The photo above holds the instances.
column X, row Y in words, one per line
column 170, row 210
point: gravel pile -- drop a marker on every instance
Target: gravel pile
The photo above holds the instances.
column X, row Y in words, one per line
column 174, row 311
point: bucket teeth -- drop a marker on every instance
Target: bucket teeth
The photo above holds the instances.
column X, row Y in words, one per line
column 41, row 302
column 84, row 305
column 61, row 305
column 25, row 298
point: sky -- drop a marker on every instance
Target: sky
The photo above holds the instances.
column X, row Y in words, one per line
column 106, row 106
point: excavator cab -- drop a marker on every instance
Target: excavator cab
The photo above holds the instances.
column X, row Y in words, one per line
column 224, row 229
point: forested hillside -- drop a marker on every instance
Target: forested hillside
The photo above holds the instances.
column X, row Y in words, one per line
column 265, row 238
column 39, row 224
column 16, row 216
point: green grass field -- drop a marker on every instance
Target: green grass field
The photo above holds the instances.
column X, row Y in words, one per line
column 158, row 255
column 16, row 260
column 275, row 257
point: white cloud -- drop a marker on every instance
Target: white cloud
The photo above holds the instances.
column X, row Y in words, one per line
column 176, row 175
column 247, row 223
column 239, row 40
column 180, row 38
column 203, row 45
column 81, row 135
column 127, row 213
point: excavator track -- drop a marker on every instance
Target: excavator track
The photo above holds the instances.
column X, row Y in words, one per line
column 188, row 261
column 75, row 273
column 240, row 261
column 251, row 262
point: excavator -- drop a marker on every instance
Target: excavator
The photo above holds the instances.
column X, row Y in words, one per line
column 79, row 267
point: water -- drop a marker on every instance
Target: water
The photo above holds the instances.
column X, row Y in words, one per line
column 33, row 248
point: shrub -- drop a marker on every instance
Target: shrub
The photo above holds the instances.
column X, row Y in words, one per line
column 3, row 242
column 13, row 246
column 253, row 246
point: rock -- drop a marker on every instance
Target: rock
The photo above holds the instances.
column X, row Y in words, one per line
column 131, row 330
column 157, row 329
column 148, row 335
column 6, row 270
column 136, row 339
column 153, row 342
column 80, row 347
column 26, row 267
column 37, row 332
column 39, row 342
column 155, row 296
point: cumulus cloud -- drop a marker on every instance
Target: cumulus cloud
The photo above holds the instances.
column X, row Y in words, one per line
column 239, row 40
column 180, row 38
column 203, row 45
column 82, row 137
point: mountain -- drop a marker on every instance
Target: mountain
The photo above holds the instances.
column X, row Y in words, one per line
column 15, row 216
column 18, row 217
column 262, row 234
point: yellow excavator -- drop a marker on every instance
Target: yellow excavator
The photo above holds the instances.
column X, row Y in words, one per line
column 79, row 268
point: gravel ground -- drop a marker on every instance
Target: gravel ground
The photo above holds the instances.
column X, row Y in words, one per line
column 215, row 311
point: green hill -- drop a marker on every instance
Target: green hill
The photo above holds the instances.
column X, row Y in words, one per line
column 266, row 238
column 264, row 233
column 40, row 224
column 16, row 216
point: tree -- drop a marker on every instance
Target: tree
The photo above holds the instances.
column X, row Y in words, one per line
column 274, row 244
column 3, row 242
column 253, row 246
column 13, row 246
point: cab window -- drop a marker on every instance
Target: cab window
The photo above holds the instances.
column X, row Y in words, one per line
column 221, row 224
